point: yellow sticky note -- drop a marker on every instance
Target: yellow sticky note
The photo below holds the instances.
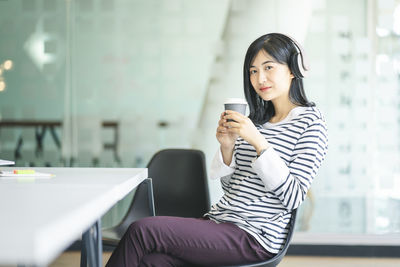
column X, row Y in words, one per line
column 24, row 171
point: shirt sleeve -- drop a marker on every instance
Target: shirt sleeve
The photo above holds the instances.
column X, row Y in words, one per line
column 219, row 169
column 291, row 182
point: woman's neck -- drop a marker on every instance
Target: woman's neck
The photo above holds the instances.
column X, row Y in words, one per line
column 281, row 111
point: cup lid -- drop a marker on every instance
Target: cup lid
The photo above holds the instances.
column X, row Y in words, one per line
column 235, row 101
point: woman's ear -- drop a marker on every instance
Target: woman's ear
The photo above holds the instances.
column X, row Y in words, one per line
column 291, row 75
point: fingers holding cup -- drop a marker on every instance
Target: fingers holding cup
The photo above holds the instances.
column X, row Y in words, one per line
column 233, row 116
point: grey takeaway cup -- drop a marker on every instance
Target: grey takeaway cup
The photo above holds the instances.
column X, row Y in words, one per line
column 236, row 104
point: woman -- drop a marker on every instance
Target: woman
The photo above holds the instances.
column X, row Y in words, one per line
column 266, row 163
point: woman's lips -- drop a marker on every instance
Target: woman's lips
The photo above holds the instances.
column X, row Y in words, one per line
column 263, row 89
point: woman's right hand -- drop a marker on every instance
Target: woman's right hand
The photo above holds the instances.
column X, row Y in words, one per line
column 226, row 139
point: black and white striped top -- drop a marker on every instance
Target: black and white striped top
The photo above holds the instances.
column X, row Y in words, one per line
column 259, row 194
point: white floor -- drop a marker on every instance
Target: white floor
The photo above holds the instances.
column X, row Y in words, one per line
column 71, row 259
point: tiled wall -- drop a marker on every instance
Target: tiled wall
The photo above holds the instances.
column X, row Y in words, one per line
column 141, row 63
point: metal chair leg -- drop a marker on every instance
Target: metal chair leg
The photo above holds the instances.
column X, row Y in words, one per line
column 150, row 196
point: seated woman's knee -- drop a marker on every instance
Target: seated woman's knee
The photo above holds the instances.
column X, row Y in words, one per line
column 142, row 224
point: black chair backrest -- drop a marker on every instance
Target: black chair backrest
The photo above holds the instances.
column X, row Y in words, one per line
column 179, row 183
column 278, row 257
column 141, row 206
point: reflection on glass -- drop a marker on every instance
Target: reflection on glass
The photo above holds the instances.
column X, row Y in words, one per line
column 361, row 100
column 382, row 32
column 35, row 47
column 8, row 64
column 396, row 20
column 2, row 86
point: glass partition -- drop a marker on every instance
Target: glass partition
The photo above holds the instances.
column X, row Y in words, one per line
column 354, row 48
column 108, row 83
column 33, row 45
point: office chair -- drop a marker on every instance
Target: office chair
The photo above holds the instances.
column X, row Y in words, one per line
column 180, row 183
column 180, row 189
column 142, row 205
column 274, row 261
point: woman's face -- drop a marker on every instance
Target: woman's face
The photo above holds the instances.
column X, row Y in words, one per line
column 270, row 79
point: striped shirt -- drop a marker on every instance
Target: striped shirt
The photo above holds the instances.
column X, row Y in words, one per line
column 260, row 193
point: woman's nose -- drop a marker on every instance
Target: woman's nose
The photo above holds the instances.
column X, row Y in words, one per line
column 262, row 78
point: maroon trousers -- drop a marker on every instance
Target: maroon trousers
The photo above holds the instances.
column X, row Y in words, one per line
column 174, row 241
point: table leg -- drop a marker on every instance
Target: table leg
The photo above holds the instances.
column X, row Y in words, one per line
column 17, row 151
column 39, row 134
column 91, row 248
column 55, row 137
column 83, row 253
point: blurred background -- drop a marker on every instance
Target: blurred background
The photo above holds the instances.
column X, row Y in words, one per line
column 107, row 83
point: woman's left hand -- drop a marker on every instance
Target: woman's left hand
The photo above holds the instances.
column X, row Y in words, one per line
column 245, row 128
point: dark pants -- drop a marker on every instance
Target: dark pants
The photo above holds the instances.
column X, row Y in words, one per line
column 174, row 241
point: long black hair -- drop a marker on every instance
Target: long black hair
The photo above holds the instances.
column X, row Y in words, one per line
column 283, row 49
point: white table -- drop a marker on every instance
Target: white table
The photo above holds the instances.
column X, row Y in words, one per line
column 42, row 217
